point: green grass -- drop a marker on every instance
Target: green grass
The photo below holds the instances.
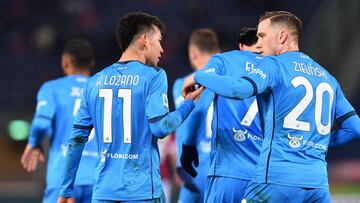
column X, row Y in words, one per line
column 345, row 189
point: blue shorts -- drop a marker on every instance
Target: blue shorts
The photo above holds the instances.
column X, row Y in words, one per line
column 271, row 193
column 224, row 189
column 82, row 194
column 157, row 200
column 187, row 196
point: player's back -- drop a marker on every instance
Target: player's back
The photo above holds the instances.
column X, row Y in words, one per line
column 65, row 95
column 298, row 115
column 237, row 136
column 119, row 99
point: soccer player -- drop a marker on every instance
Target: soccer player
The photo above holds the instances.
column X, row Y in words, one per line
column 57, row 103
column 203, row 44
column 237, row 137
column 127, row 104
column 298, row 102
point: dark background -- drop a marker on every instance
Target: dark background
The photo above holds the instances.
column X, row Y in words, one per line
column 33, row 33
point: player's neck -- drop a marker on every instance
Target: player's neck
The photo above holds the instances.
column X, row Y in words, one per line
column 131, row 55
column 290, row 46
column 79, row 72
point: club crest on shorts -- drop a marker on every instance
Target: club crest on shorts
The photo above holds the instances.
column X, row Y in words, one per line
column 294, row 141
column 239, row 135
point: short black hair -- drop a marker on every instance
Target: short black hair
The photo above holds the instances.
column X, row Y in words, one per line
column 248, row 36
column 205, row 40
column 81, row 53
column 135, row 23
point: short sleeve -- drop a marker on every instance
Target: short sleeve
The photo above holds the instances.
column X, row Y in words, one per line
column 46, row 103
column 343, row 108
column 264, row 76
column 82, row 118
column 157, row 105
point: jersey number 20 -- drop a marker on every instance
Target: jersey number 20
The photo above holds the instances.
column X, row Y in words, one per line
column 291, row 120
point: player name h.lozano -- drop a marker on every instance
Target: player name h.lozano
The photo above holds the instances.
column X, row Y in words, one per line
column 117, row 80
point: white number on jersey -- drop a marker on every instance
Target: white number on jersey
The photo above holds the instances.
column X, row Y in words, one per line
column 107, row 94
column 250, row 114
column 291, row 119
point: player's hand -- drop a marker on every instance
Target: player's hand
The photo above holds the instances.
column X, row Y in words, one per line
column 187, row 180
column 195, row 95
column 66, row 200
column 189, row 154
column 31, row 157
column 189, row 85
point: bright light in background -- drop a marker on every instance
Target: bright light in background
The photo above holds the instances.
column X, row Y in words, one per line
column 19, row 129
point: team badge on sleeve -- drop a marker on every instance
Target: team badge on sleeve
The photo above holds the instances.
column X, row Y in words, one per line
column 165, row 100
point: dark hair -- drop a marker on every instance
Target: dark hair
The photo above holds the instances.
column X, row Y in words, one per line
column 81, row 53
column 287, row 18
column 205, row 39
column 133, row 24
column 248, row 36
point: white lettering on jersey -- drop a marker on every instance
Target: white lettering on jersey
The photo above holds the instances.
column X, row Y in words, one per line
column 165, row 100
column 308, row 69
column 258, row 72
column 122, row 156
column 40, row 104
column 118, row 80
column 76, row 91
column 209, row 70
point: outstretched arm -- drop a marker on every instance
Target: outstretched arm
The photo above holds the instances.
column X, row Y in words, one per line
column 40, row 128
column 226, row 86
column 79, row 136
column 189, row 153
column 163, row 125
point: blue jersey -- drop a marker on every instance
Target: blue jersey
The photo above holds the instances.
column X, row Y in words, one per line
column 120, row 101
column 236, row 135
column 203, row 141
column 299, row 101
column 58, row 101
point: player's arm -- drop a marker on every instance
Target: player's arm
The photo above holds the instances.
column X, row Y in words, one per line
column 189, row 151
column 348, row 130
column 347, row 120
column 259, row 80
column 157, row 108
column 79, row 136
column 187, row 180
column 41, row 126
column 178, row 100
column 163, row 125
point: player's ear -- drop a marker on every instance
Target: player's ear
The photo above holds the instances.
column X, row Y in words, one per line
column 142, row 41
column 283, row 35
column 65, row 61
column 241, row 46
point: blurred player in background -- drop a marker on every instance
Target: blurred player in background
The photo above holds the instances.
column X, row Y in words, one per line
column 237, row 136
column 299, row 101
column 57, row 103
column 203, row 45
column 127, row 104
